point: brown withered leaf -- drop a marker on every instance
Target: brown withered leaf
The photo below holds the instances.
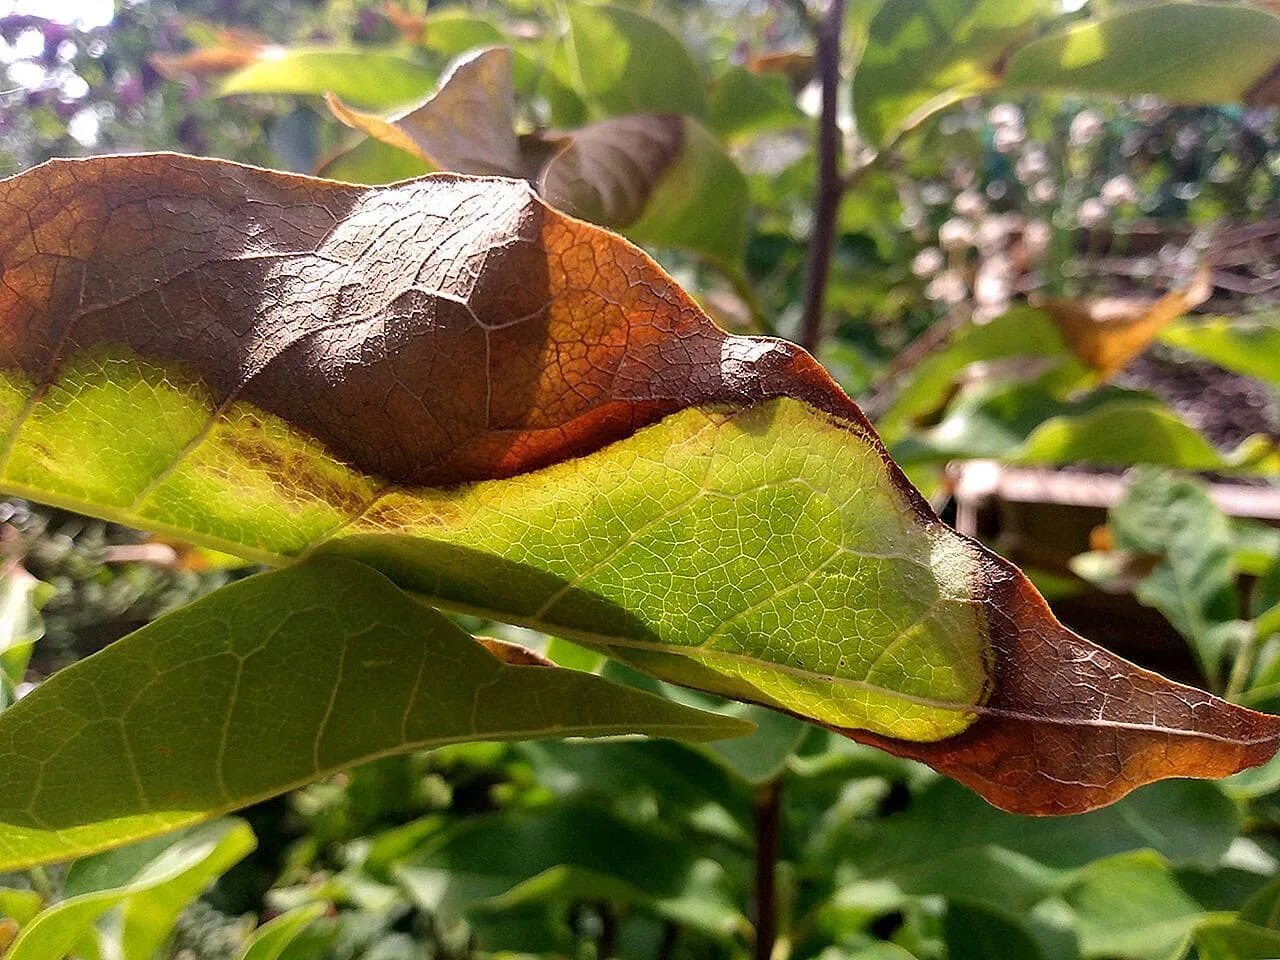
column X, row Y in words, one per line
column 409, row 24
column 232, row 49
column 1108, row 332
column 511, row 412
column 605, row 172
column 465, row 126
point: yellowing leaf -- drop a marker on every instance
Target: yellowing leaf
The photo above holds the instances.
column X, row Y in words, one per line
column 511, row 412
column 1108, row 332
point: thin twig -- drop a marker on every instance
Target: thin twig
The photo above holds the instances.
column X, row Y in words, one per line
column 768, row 823
column 830, row 182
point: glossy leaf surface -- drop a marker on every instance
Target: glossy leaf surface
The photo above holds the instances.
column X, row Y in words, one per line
column 517, row 414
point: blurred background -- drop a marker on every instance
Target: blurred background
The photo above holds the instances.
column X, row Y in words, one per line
column 1054, row 286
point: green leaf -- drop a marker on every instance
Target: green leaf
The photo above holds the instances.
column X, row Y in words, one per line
column 168, row 724
column 517, row 415
column 1125, row 432
column 979, row 933
column 373, row 162
column 451, row 32
column 566, row 852
column 1006, row 861
column 1021, row 332
column 622, row 62
column 1132, row 906
column 152, row 885
column 1194, row 584
column 1222, row 938
column 924, row 55
column 1184, row 52
column 1247, row 345
column 370, row 78
column 745, row 103
column 271, row 939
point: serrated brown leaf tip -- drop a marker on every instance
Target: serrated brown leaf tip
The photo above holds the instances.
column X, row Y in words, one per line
column 450, row 330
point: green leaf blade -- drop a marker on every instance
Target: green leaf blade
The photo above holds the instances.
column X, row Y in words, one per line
column 169, row 723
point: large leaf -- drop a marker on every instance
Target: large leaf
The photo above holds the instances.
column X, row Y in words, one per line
column 516, row 414
column 148, row 882
column 1183, row 52
column 168, row 725
column 661, row 178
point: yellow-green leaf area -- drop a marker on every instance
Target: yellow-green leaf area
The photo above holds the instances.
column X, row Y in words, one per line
column 765, row 553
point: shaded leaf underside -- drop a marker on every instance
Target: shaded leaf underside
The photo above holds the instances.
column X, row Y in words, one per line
column 325, row 661
column 517, row 414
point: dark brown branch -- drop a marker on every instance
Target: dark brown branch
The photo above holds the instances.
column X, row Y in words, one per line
column 768, row 823
column 830, row 182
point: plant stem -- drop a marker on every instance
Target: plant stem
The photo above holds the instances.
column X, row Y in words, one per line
column 768, row 821
column 1242, row 669
column 831, row 184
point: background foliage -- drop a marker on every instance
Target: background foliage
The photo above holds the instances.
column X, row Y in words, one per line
column 1000, row 199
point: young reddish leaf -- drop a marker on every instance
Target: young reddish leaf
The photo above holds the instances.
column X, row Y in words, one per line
column 512, row 412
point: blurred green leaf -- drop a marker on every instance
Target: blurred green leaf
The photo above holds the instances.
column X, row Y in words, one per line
column 370, row 78
column 152, row 884
column 135, row 719
column 373, row 162
column 1222, row 938
column 1194, row 583
column 271, row 939
column 1222, row 52
column 566, row 852
column 1009, row 861
column 621, row 62
column 924, row 55
column 1248, row 345
column 978, row 933
column 450, row 32
column 744, row 103
column 1020, row 332
column 1131, row 906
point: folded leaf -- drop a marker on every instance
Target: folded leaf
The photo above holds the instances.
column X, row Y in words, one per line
column 168, row 724
column 514, row 413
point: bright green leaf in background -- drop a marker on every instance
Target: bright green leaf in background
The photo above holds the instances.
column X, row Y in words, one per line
column 270, row 941
column 924, row 55
column 621, row 62
column 368, row 78
column 1183, row 52
column 1249, row 346
column 287, row 659
column 149, row 884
